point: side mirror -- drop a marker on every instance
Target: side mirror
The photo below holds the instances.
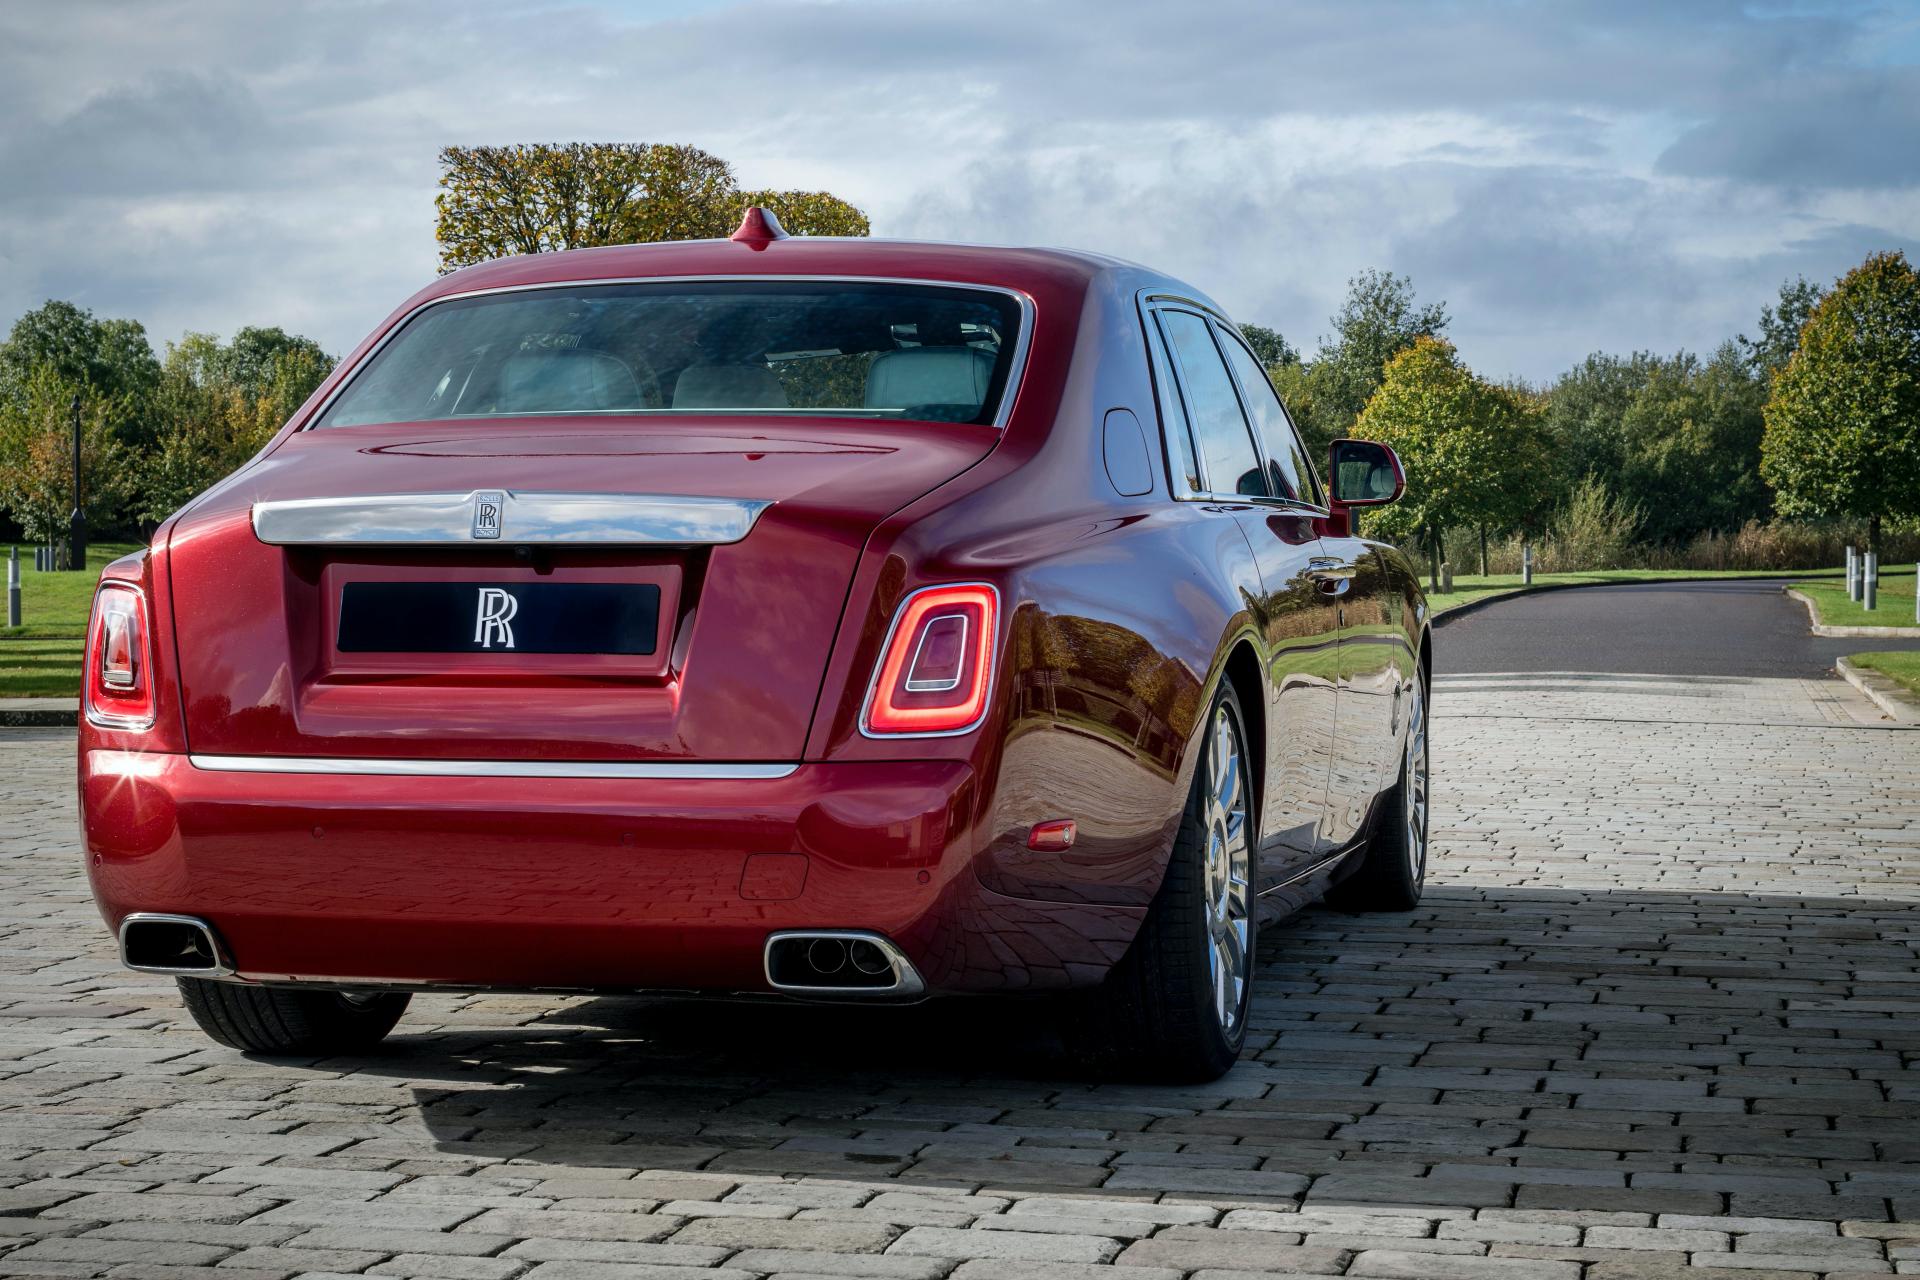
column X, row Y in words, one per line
column 1365, row 474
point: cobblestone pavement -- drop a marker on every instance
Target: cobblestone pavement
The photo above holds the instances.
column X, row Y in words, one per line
column 1656, row 1018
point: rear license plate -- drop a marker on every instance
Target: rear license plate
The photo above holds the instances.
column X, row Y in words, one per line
column 499, row 617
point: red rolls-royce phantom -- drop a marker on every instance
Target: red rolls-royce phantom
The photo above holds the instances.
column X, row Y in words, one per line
column 838, row 619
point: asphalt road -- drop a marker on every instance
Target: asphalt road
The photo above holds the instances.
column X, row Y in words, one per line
column 1719, row 628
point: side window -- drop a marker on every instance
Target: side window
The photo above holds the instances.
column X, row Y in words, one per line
column 1289, row 472
column 1173, row 418
column 1219, row 427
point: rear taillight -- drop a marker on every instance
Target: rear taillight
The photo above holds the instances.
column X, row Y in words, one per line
column 119, row 677
column 938, row 663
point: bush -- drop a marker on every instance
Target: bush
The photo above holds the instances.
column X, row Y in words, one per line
column 1594, row 531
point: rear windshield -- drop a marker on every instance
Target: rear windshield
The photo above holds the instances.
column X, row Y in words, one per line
column 777, row 346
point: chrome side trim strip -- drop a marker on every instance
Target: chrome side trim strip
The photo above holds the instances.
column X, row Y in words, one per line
column 595, row 519
column 340, row 765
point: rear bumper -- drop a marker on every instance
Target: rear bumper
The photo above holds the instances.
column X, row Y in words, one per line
column 573, row 883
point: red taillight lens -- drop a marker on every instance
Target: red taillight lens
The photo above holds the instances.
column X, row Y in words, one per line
column 938, row 663
column 119, row 659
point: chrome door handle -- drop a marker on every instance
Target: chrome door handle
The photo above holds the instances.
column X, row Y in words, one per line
column 1327, row 568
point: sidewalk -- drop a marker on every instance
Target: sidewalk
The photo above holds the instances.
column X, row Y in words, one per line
column 17, row 713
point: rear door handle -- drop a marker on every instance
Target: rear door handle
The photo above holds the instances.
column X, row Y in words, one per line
column 1324, row 567
column 1331, row 574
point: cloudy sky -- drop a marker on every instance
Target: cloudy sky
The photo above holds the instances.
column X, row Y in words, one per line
column 1595, row 174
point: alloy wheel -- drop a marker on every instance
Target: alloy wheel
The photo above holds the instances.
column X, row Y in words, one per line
column 1414, row 788
column 1225, row 813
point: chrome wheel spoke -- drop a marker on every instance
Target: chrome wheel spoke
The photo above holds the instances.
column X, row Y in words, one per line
column 1227, row 871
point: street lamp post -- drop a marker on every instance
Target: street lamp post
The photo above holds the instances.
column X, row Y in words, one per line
column 77, row 522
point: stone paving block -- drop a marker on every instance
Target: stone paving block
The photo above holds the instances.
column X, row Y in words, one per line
column 752, row 1233
column 1202, row 1247
column 853, row 1266
column 1023, row 1246
column 1404, row 1265
column 440, row 1266
column 629, row 1271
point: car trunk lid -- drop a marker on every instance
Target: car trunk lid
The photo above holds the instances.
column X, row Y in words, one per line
column 655, row 590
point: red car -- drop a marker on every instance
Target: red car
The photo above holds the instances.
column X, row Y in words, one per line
column 846, row 619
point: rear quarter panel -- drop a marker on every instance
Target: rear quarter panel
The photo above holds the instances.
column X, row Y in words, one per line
column 1117, row 612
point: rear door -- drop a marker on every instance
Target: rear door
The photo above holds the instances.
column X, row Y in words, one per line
column 1338, row 577
column 1226, row 468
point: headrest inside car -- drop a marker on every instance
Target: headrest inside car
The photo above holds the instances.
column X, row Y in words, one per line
column 929, row 375
column 566, row 382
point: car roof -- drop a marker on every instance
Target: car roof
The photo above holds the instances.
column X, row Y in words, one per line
column 1028, row 270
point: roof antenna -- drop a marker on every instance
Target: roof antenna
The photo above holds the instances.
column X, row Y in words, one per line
column 759, row 228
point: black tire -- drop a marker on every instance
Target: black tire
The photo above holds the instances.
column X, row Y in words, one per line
column 1155, row 1017
column 1393, row 869
column 281, row 1021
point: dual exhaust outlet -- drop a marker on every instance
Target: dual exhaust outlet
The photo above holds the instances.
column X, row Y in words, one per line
column 848, row 963
column 845, row 963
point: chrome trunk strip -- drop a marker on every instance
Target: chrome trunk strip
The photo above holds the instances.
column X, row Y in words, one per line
column 447, row 519
column 339, row 765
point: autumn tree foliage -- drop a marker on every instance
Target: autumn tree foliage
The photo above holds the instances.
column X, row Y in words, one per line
column 1843, row 422
column 538, row 198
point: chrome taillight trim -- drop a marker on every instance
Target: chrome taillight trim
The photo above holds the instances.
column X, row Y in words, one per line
column 102, row 719
column 345, row 766
column 886, row 647
column 447, row 519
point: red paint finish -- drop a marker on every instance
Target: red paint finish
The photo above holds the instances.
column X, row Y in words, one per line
column 1113, row 619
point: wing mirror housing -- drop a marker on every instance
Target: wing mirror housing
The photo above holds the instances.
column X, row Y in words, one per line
column 1362, row 473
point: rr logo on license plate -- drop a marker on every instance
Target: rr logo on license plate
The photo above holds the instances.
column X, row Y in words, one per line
column 494, row 619
column 486, row 514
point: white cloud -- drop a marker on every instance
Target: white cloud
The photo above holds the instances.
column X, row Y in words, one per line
column 1590, row 174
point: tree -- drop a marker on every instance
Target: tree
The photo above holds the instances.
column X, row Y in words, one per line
column 496, row 201
column 1475, row 453
column 1378, row 320
column 1780, row 327
column 36, row 454
column 218, row 404
column 1691, row 438
column 1270, row 348
column 110, row 359
column 1843, row 422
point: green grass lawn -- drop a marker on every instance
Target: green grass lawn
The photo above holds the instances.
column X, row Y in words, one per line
column 1896, row 602
column 1903, row 667
column 41, row 657
column 1475, row 587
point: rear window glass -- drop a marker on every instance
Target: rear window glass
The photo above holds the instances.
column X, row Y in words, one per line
column 833, row 348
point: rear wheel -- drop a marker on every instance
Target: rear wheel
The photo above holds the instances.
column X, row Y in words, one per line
column 1175, row 1007
column 281, row 1020
column 1393, row 871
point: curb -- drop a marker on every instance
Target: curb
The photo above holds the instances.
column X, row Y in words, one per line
column 1465, row 607
column 1889, row 695
column 1822, row 629
column 39, row 713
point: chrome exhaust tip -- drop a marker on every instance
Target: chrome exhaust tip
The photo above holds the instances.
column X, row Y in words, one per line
column 848, row 963
column 154, row 942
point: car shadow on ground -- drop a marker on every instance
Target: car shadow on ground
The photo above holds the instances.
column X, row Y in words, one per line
column 1540, row 1048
